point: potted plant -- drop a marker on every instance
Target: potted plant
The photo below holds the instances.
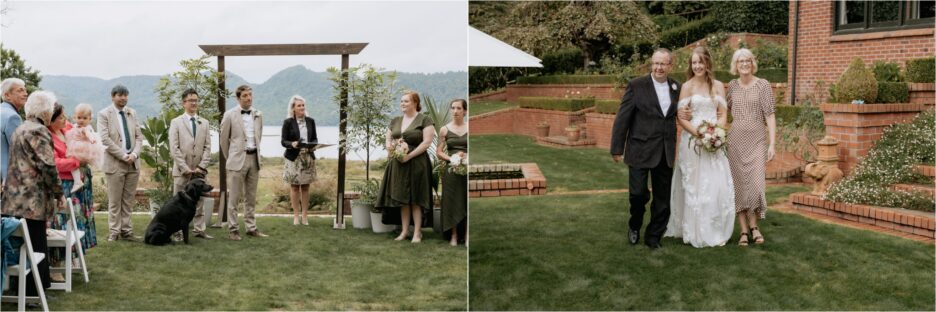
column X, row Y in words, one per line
column 573, row 132
column 361, row 208
column 542, row 129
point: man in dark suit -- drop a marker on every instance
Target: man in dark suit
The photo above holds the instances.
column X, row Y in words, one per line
column 645, row 134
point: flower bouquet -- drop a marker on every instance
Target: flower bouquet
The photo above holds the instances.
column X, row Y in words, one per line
column 400, row 150
column 458, row 165
column 712, row 138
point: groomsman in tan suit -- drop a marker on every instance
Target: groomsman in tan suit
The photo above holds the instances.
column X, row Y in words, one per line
column 121, row 136
column 241, row 129
column 190, row 146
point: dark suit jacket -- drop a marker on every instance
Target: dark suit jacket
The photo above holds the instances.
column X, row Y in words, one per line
column 290, row 134
column 642, row 131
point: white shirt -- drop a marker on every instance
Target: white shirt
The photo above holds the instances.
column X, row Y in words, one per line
column 188, row 121
column 249, row 129
column 303, row 131
column 662, row 91
column 120, row 121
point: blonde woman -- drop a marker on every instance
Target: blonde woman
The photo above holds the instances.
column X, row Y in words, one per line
column 752, row 142
column 298, row 137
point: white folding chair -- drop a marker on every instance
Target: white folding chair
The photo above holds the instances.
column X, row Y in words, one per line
column 69, row 239
column 28, row 262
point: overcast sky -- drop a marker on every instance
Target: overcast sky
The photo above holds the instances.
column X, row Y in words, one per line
column 112, row 39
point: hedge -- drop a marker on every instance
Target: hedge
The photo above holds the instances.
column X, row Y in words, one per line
column 688, row 33
column 563, row 61
column 558, row 104
column 786, row 114
column 607, row 106
column 568, row 79
column 773, row 75
column 922, row 70
column 893, row 92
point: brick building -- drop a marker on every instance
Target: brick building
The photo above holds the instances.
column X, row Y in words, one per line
column 826, row 35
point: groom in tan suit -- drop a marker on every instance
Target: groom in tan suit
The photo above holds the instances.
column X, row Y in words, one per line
column 241, row 129
column 122, row 139
column 190, row 146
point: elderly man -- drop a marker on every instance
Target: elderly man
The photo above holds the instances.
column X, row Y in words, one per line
column 14, row 97
column 190, row 146
column 122, row 139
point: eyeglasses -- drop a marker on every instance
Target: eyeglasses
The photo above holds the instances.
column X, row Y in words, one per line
column 658, row 64
column 745, row 61
column 191, row 101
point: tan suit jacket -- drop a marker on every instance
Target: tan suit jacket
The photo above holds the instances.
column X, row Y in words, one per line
column 188, row 152
column 109, row 128
column 233, row 138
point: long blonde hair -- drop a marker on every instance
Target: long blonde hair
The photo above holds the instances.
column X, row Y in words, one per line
column 706, row 59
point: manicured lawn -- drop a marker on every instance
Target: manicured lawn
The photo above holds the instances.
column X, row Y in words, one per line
column 565, row 169
column 570, row 252
column 478, row 108
column 296, row 268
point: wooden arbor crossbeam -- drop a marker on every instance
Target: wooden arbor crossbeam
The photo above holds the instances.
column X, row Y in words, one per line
column 343, row 49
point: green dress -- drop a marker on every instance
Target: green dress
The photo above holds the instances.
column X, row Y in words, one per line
column 454, row 190
column 410, row 182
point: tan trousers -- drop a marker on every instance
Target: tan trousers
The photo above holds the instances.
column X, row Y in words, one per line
column 121, row 188
column 178, row 185
column 243, row 183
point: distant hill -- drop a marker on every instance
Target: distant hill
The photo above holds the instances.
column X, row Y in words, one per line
column 270, row 97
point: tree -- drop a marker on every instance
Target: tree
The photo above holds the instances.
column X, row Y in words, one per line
column 371, row 93
column 765, row 17
column 195, row 74
column 540, row 27
column 15, row 67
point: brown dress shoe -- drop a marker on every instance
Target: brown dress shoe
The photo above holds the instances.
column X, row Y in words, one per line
column 256, row 234
column 234, row 236
column 112, row 237
column 203, row 235
column 129, row 237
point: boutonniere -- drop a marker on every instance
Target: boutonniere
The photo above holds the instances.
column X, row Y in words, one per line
column 258, row 114
column 674, row 86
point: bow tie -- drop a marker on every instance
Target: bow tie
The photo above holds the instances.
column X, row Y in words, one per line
column 245, row 112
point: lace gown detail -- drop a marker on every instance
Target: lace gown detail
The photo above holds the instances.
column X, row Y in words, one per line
column 702, row 198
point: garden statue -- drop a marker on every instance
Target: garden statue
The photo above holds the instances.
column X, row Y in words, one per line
column 825, row 171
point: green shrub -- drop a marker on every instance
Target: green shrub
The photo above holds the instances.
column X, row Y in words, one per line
column 764, row 17
column 564, row 61
column 856, row 83
column 483, row 79
column 688, row 33
column 770, row 55
column 893, row 92
column 889, row 162
column 567, row 79
column 667, row 22
column 798, row 127
column 607, row 106
column 886, row 71
column 922, row 70
column 558, row 104
column 787, row 114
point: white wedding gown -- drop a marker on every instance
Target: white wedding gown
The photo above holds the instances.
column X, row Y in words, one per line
column 702, row 209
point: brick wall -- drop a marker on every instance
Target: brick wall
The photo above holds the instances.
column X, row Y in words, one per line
column 500, row 95
column 523, row 121
column 923, row 93
column 500, row 121
column 822, row 56
column 599, row 128
column 857, row 127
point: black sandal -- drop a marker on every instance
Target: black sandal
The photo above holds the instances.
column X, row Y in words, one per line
column 759, row 239
column 744, row 241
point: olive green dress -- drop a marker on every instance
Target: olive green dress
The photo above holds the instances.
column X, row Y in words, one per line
column 454, row 190
column 410, row 182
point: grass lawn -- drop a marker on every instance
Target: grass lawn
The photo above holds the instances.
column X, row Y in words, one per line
column 296, row 268
column 570, row 252
column 478, row 108
column 565, row 169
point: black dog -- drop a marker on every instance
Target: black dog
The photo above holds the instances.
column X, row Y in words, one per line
column 177, row 213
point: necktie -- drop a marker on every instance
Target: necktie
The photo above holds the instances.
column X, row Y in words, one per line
column 126, row 130
column 193, row 127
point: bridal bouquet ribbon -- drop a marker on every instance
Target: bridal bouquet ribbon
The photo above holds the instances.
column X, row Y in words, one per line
column 399, row 151
column 712, row 138
column 458, row 165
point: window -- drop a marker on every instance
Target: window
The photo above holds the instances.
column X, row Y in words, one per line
column 873, row 16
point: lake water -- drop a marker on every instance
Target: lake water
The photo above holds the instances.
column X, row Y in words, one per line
column 270, row 144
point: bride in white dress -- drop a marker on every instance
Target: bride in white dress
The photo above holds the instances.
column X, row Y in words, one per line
column 702, row 198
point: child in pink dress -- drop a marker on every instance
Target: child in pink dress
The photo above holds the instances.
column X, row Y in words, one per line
column 83, row 143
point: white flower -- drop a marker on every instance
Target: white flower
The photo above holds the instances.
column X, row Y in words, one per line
column 674, row 87
column 455, row 160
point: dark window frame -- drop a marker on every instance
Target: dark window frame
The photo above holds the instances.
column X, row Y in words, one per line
column 866, row 26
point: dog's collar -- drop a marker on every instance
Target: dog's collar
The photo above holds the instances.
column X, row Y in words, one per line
column 185, row 195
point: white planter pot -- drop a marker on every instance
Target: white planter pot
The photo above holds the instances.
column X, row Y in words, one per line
column 378, row 226
column 360, row 215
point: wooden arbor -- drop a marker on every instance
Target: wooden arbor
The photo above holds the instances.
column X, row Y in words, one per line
column 343, row 49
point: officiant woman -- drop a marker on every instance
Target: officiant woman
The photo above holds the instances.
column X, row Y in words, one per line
column 298, row 137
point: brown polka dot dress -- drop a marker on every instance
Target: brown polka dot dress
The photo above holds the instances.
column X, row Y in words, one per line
column 747, row 143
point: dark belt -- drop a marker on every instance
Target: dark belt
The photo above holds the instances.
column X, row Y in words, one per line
column 251, row 151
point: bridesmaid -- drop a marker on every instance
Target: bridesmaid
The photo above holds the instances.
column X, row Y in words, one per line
column 407, row 182
column 454, row 186
column 751, row 142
